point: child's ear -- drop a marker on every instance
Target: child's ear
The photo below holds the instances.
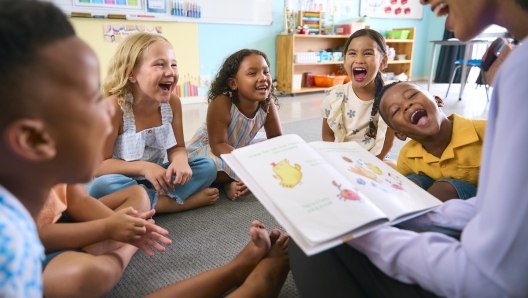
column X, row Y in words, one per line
column 400, row 136
column 439, row 101
column 132, row 77
column 232, row 84
column 29, row 139
column 384, row 62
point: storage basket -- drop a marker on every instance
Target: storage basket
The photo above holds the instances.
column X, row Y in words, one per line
column 328, row 81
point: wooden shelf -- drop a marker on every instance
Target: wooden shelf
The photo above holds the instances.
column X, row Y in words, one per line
column 288, row 44
column 399, row 61
column 399, row 40
column 320, row 36
column 310, row 89
column 319, row 63
column 402, row 46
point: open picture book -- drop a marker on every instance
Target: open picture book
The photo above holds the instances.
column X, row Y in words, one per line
column 325, row 193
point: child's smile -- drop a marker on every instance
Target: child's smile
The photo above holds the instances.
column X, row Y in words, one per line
column 419, row 117
column 408, row 109
column 263, row 89
column 360, row 74
column 166, row 87
column 363, row 60
column 157, row 73
column 253, row 79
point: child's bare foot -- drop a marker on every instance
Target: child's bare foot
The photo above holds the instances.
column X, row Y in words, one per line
column 255, row 250
column 236, row 189
column 278, row 264
column 269, row 275
column 206, row 196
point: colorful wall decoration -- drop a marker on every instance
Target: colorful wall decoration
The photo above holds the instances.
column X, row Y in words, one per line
column 124, row 4
column 187, row 86
column 392, row 9
column 116, row 32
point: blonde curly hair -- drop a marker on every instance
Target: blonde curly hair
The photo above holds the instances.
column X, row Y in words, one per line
column 127, row 56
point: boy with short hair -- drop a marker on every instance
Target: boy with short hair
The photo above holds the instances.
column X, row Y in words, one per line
column 59, row 120
column 53, row 131
column 444, row 153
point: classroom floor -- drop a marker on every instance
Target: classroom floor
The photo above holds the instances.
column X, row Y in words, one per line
column 474, row 104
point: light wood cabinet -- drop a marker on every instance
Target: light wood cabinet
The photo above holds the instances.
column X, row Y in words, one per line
column 402, row 46
column 288, row 45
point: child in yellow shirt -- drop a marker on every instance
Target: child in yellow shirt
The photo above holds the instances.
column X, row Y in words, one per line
column 444, row 154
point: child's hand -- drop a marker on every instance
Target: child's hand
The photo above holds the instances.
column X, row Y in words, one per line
column 125, row 225
column 153, row 237
column 156, row 175
column 182, row 172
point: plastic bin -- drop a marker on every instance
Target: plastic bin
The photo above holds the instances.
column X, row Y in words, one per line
column 325, row 56
column 328, row 81
column 397, row 34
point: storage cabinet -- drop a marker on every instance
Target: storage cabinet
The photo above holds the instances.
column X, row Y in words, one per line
column 402, row 46
column 288, row 45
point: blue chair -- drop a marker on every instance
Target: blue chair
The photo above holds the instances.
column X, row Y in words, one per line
column 470, row 63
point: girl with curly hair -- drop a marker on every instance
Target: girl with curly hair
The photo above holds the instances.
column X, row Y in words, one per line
column 241, row 102
column 148, row 130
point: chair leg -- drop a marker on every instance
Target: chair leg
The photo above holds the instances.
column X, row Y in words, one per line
column 485, row 84
column 452, row 78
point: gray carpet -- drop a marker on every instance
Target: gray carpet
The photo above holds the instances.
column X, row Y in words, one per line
column 205, row 238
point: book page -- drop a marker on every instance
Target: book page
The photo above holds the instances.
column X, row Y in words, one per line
column 318, row 201
column 392, row 192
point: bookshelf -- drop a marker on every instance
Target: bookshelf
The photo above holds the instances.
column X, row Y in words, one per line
column 289, row 44
column 402, row 46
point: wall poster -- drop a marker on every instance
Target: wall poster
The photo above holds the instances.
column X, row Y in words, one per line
column 392, row 9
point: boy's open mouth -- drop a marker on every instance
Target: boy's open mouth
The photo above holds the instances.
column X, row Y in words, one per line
column 359, row 73
column 165, row 86
column 419, row 117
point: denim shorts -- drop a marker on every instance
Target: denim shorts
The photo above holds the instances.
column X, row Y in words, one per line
column 464, row 189
column 63, row 219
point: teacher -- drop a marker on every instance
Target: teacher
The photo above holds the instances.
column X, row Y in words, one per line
column 472, row 248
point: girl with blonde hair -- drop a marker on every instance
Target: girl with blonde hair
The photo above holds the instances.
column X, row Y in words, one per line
column 146, row 146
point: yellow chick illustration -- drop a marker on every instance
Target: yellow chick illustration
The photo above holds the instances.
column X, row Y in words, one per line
column 374, row 168
column 289, row 175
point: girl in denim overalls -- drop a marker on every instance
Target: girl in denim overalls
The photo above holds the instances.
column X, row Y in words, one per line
column 147, row 145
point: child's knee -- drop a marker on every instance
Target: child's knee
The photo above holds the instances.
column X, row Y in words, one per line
column 107, row 184
column 205, row 167
column 91, row 276
column 138, row 198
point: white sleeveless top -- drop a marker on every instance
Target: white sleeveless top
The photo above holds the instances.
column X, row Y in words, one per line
column 147, row 145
